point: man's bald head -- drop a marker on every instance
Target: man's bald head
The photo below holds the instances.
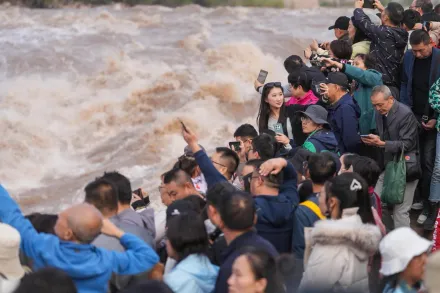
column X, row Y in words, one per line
column 81, row 223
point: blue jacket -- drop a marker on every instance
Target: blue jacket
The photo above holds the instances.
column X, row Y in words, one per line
column 343, row 117
column 275, row 212
column 303, row 217
column 212, row 175
column 234, row 250
column 194, row 274
column 407, row 75
column 321, row 141
column 89, row 267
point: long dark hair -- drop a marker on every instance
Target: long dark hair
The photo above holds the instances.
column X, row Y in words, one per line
column 264, row 112
column 351, row 194
column 187, row 235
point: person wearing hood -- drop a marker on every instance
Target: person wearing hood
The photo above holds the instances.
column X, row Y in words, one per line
column 343, row 245
column 366, row 79
column 144, row 218
column 187, row 243
column 320, row 137
column 275, row 197
column 343, row 112
column 71, row 249
column 404, row 254
column 388, row 41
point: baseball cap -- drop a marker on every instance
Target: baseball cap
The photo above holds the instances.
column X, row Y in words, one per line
column 188, row 152
column 399, row 247
column 341, row 23
column 337, row 78
column 179, row 207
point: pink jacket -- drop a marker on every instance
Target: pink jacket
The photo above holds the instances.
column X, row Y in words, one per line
column 308, row 99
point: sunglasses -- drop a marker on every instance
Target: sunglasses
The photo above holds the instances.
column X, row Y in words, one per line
column 272, row 84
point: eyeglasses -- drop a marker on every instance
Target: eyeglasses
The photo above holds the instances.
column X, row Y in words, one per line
column 247, row 181
column 305, row 119
column 218, row 163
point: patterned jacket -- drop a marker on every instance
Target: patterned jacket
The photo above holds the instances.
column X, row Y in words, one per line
column 434, row 99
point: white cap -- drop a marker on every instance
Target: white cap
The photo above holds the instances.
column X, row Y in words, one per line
column 10, row 265
column 398, row 248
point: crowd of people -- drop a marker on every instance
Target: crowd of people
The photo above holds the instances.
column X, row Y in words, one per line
column 316, row 198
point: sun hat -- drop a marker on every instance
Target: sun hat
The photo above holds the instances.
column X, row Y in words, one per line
column 10, row 265
column 316, row 113
column 399, row 247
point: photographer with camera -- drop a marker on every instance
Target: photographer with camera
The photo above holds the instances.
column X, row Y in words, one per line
column 339, row 51
column 366, row 78
column 388, row 41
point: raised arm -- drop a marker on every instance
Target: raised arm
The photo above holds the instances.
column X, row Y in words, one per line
column 289, row 186
column 366, row 77
column 212, row 175
column 362, row 21
column 138, row 256
column 11, row 214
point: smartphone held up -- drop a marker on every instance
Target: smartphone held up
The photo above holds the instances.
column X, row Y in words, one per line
column 235, row 146
column 262, row 76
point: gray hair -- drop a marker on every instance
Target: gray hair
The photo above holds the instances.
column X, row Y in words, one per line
column 382, row 89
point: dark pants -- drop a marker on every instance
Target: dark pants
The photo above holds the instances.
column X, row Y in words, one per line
column 427, row 142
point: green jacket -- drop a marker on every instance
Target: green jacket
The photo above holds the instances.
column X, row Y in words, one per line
column 366, row 81
column 434, row 100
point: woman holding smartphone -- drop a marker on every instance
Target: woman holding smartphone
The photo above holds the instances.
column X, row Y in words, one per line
column 273, row 115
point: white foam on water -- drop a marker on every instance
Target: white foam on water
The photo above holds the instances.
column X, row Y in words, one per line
column 83, row 91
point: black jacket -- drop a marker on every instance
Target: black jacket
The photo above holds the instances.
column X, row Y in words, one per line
column 431, row 16
column 387, row 46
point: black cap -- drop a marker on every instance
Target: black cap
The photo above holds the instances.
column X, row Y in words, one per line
column 180, row 207
column 341, row 23
column 338, row 78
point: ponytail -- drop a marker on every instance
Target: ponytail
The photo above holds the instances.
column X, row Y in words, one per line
column 352, row 192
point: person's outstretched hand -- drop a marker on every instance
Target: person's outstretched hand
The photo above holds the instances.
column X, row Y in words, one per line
column 329, row 62
column 257, row 84
column 379, row 6
column 314, row 46
column 359, row 4
column 308, row 53
column 191, row 139
column 109, row 229
column 272, row 166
